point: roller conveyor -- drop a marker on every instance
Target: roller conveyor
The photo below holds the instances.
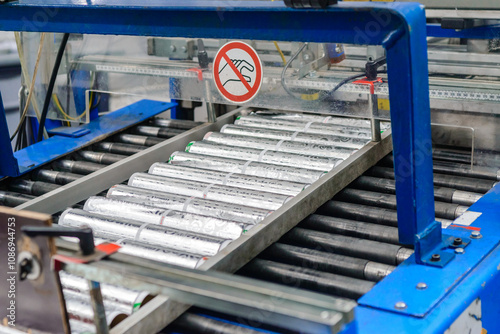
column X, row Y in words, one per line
column 343, row 250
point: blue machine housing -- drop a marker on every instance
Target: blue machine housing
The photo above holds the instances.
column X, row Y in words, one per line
column 455, row 280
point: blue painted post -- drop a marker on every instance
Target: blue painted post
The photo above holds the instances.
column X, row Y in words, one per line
column 8, row 165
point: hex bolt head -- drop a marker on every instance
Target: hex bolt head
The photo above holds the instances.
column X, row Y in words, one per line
column 435, row 257
column 476, row 235
column 457, row 241
column 400, row 306
column 421, row 286
column 459, row 250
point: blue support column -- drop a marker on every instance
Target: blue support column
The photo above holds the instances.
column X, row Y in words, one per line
column 8, row 165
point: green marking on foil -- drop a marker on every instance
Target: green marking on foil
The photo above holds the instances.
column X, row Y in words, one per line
column 237, row 118
column 171, row 158
column 189, row 145
column 245, row 231
column 136, row 306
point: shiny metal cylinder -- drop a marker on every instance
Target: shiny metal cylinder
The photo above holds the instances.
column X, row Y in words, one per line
column 375, row 271
column 209, row 191
column 308, row 127
column 156, row 131
column 109, row 305
column 296, row 136
column 55, row 177
column 175, row 123
column 228, row 179
column 12, row 199
column 101, row 158
column 127, row 138
column 28, row 187
column 222, row 210
column 119, row 148
column 245, row 167
column 175, row 219
column 298, row 117
column 80, row 327
column 130, row 300
column 318, row 150
column 264, row 156
column 82, row 311
column 149, row 233
column 156, row 252
column 78, row 167
column 465, row 197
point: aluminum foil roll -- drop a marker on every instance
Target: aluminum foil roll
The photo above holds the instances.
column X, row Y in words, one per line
column 299, row 117
column 310, row 127
column 131, row 300
column 209, row 191
column 80, row 327
column 318, row 150
column 108, row 304
column 228, row 211
column 229, row 179
column 82, row 311
column 265, row 156
column 149, row 233
column 295, row 136
column 286, row 173
column 175, row 219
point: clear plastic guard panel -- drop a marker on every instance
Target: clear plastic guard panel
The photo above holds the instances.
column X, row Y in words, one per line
column 109, row 72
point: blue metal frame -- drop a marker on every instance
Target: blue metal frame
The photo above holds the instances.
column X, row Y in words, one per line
column 63, row 143
column 482, row 32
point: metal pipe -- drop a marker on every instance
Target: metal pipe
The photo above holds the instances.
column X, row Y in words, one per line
column 440, row 193
column 180, row 124
column 154, row 131
column 326, row 262
column 189, row 323
column 308, row 279
column 443, row 210
column 35, row 188
column 375, row 123
column 351, row 228
column 12, row 199
column 360, row 213
column 349, row 246
column 127, row 138
column 55, row 177
column 118, row 148
column 78, row 167
column 101, row 158
column 450, row 181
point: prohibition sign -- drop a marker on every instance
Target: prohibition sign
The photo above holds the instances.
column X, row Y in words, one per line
column 237, row 72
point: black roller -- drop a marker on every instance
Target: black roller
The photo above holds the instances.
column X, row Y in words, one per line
column 322, row 261
column 349, row 246
column 156, row 131
column 359, row 212
column 309, row 279
column 127, row 138
column 118, row 148
column 450, row 181
column 78, row 167
column 351, row 228
column 12, row 199
column 55, row 177
column 443, row 210
column 35, row 188
column 452, row 156
column 389, row 186
column 189, row 323
column 175, row 123
column 101, row 158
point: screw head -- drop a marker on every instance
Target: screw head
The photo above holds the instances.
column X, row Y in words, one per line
column 457, row 241
column 476, row 235
column 435, row 257
column 421, row 286
column 459, row 250
column 400, row 306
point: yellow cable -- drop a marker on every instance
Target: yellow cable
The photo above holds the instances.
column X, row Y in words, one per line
column 280, row 52
column 61, row 110
column 32, row 87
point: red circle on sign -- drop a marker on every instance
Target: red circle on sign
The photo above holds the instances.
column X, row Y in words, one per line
column 252, row 90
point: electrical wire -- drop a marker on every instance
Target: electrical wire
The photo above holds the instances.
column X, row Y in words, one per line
column 50, row 88
column 280, row 52
column 287, row 65
column 32, row 88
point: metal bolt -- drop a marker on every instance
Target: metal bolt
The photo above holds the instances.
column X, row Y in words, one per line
column 457, row 241
column 435, row 258
column 476, row 235
column 421, row 286
column 173, row 48
column 325, row 314
column 400, row 306
column 184, row 49
column 459, row 250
